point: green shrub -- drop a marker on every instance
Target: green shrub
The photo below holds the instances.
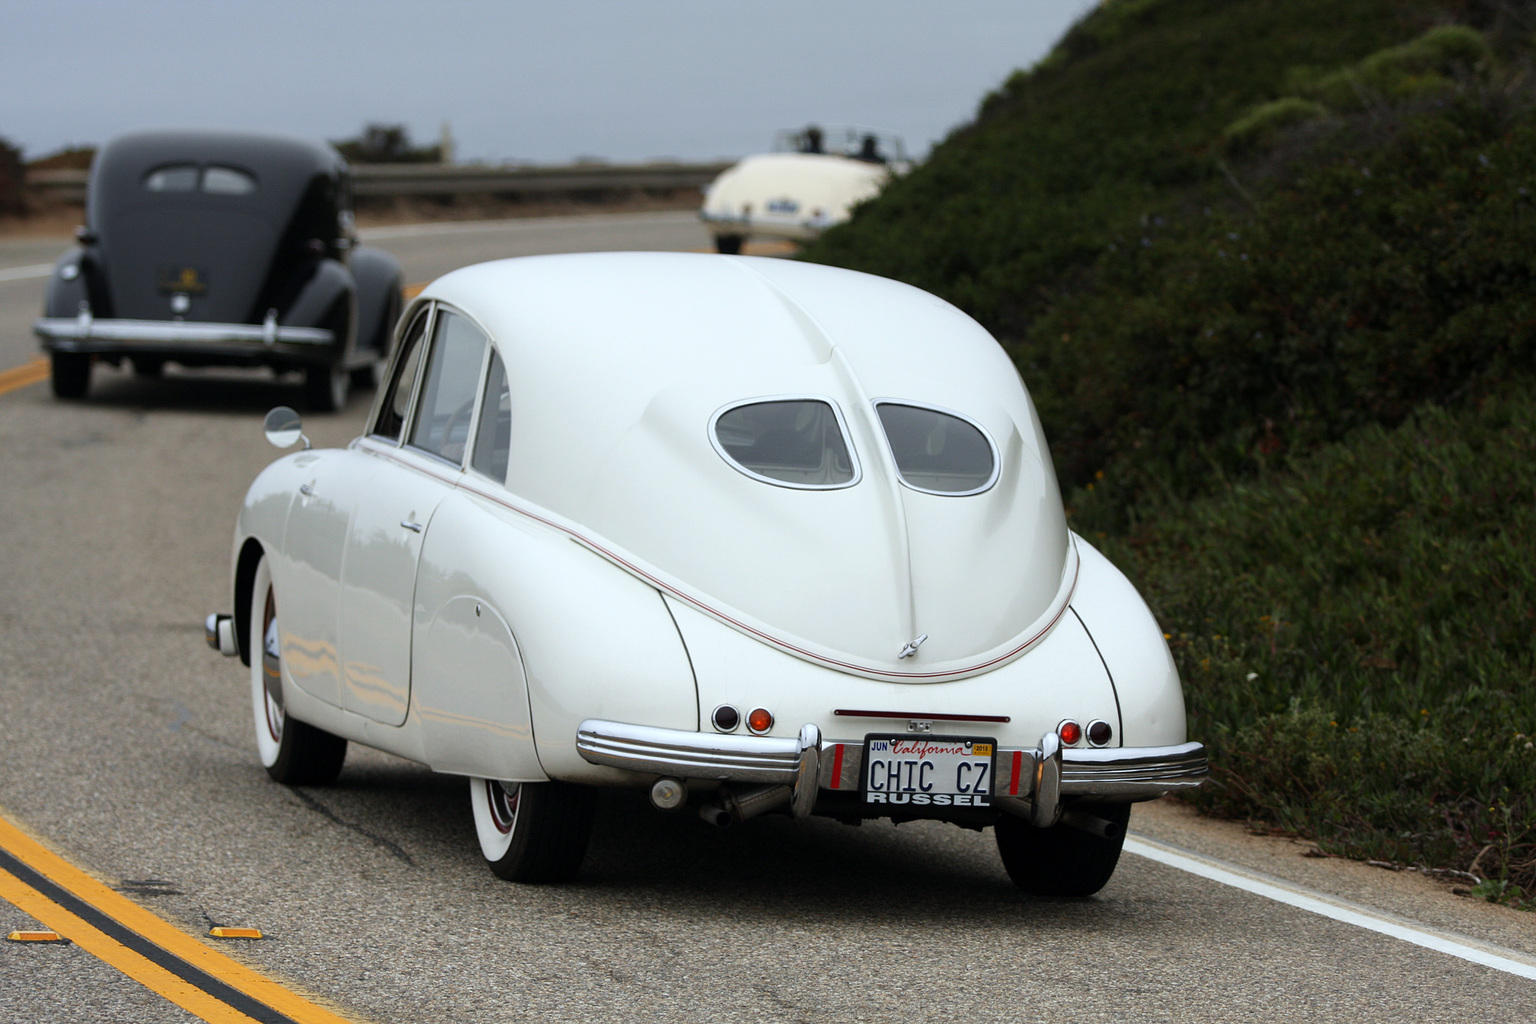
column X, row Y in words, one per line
column 1259, row 124
column 1428, row 64
column 1354, row 632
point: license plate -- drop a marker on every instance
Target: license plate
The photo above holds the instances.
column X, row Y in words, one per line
column 928, row 771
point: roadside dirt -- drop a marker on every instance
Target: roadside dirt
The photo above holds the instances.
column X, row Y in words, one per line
column 60, row 220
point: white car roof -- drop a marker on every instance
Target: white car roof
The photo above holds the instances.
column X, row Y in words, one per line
column 618, row 361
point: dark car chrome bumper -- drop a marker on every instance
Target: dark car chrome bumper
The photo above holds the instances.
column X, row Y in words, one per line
column 86, row 333
column 1030, row 783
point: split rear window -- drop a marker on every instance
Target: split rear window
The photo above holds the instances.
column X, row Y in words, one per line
column 795, row 442
column 936, row 451
column 215, row 180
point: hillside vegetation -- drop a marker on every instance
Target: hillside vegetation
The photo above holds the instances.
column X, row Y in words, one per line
column 1269, row 270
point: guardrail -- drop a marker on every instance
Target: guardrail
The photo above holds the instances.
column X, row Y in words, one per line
column 386, row 180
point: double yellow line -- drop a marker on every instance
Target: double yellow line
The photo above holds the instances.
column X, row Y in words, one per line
column 141, row 945
column 24, row 375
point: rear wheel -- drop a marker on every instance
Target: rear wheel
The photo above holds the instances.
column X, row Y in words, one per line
column 532, row 831
column 729, row 245
column 294, row 753
column 147, row 366
column 71, row 374
column 1061, row 860
column 326, row 387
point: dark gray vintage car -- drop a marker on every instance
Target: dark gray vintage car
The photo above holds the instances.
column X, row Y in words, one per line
column 213, row 248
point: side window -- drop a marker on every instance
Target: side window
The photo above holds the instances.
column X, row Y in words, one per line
column 447, row 402
column 398, row 400
column 493, row 435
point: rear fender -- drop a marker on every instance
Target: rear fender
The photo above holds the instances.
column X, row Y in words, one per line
column 379, row 282
column 328, row 299
column 76, row 278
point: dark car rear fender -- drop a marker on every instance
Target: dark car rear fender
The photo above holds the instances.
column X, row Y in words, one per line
column 328, row 299
column 379, row 279
column 76, row 278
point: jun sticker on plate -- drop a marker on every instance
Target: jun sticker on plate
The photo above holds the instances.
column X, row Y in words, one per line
column 937, row 771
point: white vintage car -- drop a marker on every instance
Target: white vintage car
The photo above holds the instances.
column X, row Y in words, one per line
column 810, row 181
column 748, row 534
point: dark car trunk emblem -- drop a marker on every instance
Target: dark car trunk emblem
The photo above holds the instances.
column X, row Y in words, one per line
column 183, row 279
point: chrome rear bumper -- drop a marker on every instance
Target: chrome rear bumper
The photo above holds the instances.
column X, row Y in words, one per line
column 85, row 333
column 1030, row 783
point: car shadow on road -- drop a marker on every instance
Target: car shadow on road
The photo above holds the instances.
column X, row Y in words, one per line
column 234, row 392
column 801, row 873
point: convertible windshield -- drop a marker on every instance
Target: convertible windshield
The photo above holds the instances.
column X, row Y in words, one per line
column 936, row 451
column 796, row 442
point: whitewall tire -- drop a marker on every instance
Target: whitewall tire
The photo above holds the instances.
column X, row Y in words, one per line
column 292, row 752
column 532, row 831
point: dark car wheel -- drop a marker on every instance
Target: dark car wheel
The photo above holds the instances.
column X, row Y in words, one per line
column 729, row 245
column 532, row 831
column 71, row 374
column 294, row 753
column 326, row 387
column 1061, row 860
column 148, row 366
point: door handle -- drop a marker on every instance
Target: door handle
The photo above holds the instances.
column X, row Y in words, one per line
column 306, row 489
column 413, row 527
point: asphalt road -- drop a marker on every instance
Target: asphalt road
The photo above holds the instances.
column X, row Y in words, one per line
column 125, row 745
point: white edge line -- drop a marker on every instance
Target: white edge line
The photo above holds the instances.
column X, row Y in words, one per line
column 24, row 273
column 1328, row 907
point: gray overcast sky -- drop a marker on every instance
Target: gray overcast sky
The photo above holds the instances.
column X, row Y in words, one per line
column 546, row 82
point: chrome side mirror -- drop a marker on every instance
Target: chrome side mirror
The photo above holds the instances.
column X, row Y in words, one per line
column 283, row 428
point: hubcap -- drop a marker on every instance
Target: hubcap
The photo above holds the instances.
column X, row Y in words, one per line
column 503, row 805
column 272, row 669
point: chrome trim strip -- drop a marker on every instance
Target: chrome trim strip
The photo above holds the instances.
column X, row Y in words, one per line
column 694, row 755
column 176, row 332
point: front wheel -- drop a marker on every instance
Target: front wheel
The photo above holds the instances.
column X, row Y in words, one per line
column 71, row 373
column 294, row 753
column 532, row 831
column 1061, row 860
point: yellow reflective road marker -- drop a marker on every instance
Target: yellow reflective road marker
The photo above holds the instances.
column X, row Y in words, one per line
column 24, row 375
column 140, row 944
column 35, row 935
column 221, row 932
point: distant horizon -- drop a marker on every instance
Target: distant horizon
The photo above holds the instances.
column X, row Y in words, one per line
column 516, row 82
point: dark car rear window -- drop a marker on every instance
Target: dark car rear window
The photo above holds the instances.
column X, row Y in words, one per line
column 225, row 181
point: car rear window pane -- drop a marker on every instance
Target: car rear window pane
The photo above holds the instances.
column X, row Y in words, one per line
column 796, row 441
column 226, row 181
column 935, row 451
column 177, row 178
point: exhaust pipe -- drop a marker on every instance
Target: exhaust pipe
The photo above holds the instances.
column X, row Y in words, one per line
column 732, row 806
column 1092, row 823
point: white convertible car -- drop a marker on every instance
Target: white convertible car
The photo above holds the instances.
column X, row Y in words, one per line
column 751, row 535
column 810, row 181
